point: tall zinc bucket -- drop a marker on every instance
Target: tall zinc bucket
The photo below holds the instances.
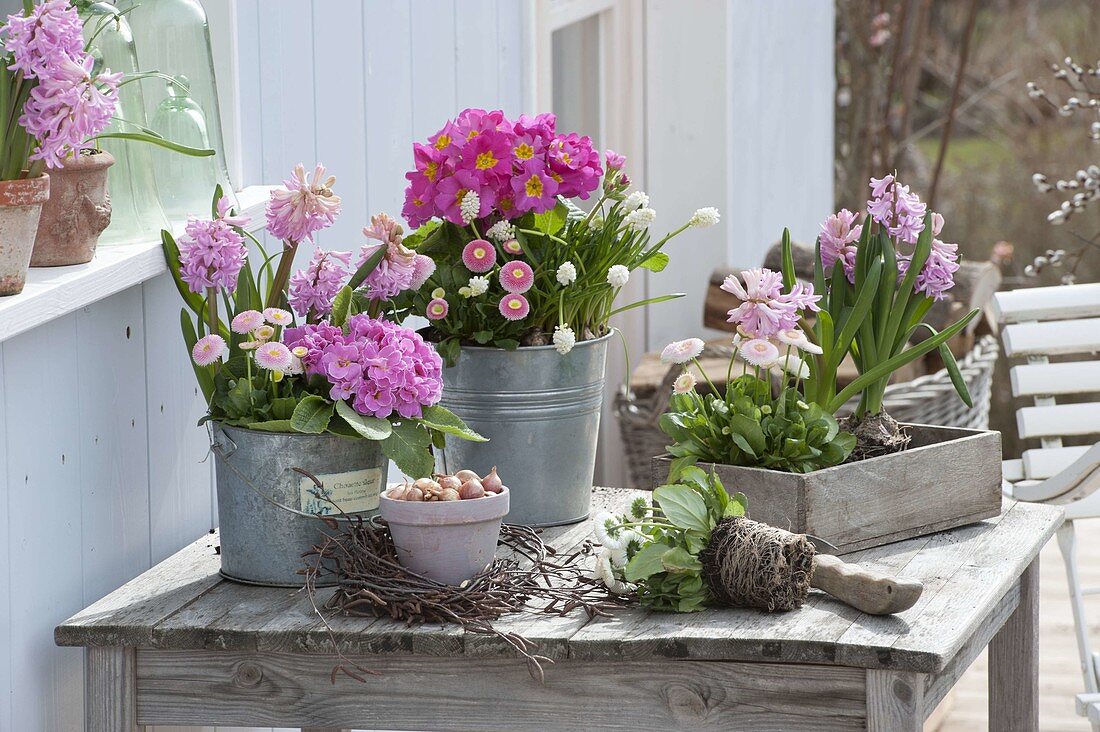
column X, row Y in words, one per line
column 541, row 413
column 267, row 510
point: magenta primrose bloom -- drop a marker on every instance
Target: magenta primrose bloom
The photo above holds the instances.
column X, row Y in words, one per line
column 513, row 167
column 517, row 277
column 479, row 256
column 306, row 205
column 514, row 307
column 379, row 367
column 313, row 289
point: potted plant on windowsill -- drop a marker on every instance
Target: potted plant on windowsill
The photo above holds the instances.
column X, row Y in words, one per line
column 524, row 287
column 305, row 412
column 866, row 480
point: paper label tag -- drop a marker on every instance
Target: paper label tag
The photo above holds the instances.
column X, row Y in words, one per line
column 352, row 492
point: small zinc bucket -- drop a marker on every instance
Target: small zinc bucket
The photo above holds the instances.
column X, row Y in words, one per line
column 267, row 509
column 541, row 413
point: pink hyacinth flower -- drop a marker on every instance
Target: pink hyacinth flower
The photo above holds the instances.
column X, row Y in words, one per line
column 306, row 206
column 437, row 309
column 517, row 277
column 514, row 307
column 209, row 349
column 479, row 256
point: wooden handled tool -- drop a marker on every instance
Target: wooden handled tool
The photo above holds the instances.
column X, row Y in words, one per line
column 749, row 564
column 871, row 592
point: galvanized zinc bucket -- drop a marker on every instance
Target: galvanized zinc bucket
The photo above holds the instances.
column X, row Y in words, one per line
column 267, row 510
column 541, row 413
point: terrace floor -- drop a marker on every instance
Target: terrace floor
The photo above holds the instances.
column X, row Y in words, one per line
column 1059, row 680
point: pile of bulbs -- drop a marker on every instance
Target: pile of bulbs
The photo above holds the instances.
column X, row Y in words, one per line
column 465, row 484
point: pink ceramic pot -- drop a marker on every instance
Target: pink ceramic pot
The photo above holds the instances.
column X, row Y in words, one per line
column 448, row 541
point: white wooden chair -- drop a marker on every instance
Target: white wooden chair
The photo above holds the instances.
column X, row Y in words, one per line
column 1038, row 324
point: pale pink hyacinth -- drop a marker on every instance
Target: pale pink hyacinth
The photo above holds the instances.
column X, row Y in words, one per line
column 398, row 268
column 897, row 209
column 306, row 206
column 838, row 242
column 212, row 253
column 274, row 357
column 246, row 321
column 680, row 352
column 51, row 30
column 313, row 289
column 225, row 213
column 765, row 309
column 209, row 349
column 759, row 352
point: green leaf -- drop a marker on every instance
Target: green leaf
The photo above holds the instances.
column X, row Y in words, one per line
column 202, row 373
column 311, row 415
column 283, row 407
column 750, row 429
column 483, row 336
column 341, row 305
column 371, row 428
column 366, row 268
column 683, row 507
column 859, row 313
column 678, row 465
column 655, row 262
column 272, row 425
column 407, row 447
column 196, row 152
column 737, row 506
column 789, row 276
column 678, row 559
column 552, row 221
column 647, row 301
column 172, row 257
column 444, row 420
column 416, row 238
column 646, row 563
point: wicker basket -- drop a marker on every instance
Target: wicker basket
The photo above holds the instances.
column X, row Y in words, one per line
column 927, row 399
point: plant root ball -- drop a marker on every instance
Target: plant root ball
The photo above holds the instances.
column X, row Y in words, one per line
column 749, row 564
column 876, row 434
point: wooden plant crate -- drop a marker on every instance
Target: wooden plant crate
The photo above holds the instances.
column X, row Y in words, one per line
column 948, row 477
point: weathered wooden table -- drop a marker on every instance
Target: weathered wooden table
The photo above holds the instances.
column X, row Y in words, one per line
column 178, row 645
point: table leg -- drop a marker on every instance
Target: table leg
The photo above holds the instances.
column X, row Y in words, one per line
column 895, row 701
column 110, row 694
column 1014, row 662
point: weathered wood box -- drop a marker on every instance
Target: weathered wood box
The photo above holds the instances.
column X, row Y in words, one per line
column 947, row 477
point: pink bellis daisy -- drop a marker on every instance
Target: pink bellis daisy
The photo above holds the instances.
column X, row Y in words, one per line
column 306, row 206
column 680, row 352
column 274, row 357
column 209, row 349
column 278, row 316
column 514, row 307
column 516, row 277
column 437, row 309
column 512, row 246
column 247, row 321
column 479, row 256
column 759, row 352
column 423, row 268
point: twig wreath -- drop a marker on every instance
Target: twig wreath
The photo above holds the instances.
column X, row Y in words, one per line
column 531, row 578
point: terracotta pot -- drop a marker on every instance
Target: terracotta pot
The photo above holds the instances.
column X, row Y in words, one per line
column 447, row 541
column 20, row 206
column 77, row 212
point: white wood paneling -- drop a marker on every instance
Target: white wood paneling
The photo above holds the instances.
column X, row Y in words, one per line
column 6, row 599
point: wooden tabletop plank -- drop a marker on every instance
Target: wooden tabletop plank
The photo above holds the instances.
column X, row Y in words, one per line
column 183, row 604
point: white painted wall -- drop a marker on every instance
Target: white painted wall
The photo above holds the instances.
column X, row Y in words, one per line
column 102, row 463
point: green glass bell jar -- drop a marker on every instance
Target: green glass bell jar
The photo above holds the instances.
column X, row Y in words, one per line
column 136, row 211
column 173, row 37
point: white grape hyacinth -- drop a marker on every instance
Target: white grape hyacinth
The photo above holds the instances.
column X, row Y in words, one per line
column 618, row 275
column 501, row 231
column 564, row 339
column 470, row 206
column 640, row 219
column 637, row 199
column 707, row 216
column 566, row 274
